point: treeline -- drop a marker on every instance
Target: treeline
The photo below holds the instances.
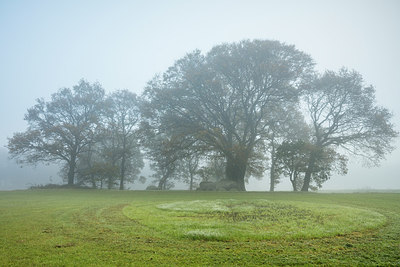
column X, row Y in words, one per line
column 240, row 110
column 93, row 135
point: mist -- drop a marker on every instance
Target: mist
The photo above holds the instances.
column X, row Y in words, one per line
column 47, row 46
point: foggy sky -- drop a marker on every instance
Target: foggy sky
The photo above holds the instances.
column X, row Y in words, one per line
column 46, row 45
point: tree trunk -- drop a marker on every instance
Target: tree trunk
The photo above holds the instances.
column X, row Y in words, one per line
column 235, row 171
column 71, row 175
column 191, row 182
column 272, row 170
column 109, row 182
column 71, row 170
column 92, row 179
column 162, row 183
column 122, row 177
column 123, row 160
column 309, row 171
column 293, row 180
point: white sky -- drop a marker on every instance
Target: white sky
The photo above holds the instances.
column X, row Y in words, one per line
column 45, row 45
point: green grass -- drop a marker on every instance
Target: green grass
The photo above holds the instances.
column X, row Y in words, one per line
column 89, row 227
column 249, row 220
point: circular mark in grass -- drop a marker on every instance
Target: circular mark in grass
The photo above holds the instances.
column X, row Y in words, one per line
column 232, row 219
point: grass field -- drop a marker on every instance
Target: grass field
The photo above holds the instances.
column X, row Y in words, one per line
column 90, row 227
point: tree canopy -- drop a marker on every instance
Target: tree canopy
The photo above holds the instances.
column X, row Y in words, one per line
column 221, row 101
column 343, row 114
column 60, row 129
column 239, row 109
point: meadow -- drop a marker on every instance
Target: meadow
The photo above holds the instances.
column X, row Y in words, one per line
column 63, row 227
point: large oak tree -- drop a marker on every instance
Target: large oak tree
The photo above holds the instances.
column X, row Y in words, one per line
column 220, row 101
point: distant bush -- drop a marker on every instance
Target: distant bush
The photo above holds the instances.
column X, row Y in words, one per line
column 222, row 185
column 152, row 187
column 59, row 186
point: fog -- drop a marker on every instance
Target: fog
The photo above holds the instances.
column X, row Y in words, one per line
column 46, row 45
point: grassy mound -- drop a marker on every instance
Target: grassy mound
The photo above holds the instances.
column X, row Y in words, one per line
column 241, row 220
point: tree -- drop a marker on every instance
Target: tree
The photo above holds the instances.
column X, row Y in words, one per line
column 213, row 170
column 85, row 166
column 188, row 169
column 99, row 172
column 159, row 148
column 124, row 116
column 220, row 101
column 61, row 129
column 117, row 143
column 107, row 146
column 287, row 124
column 328, row 162
column 291, row 161
column 343, row 115
column 164, row 163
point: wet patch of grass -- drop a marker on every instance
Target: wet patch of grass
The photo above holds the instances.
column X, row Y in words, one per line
column 245, row 220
